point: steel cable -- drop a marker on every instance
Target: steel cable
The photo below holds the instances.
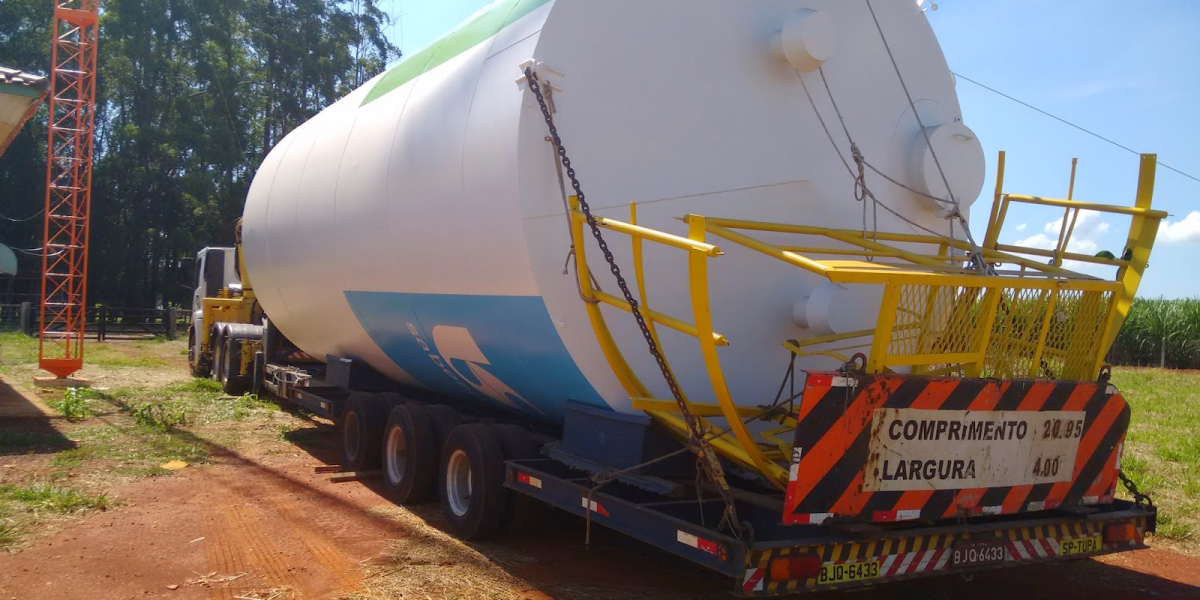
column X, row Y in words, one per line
column 698, row 443
column 977, row 259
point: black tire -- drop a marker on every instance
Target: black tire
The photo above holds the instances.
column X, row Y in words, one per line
column 361, row 431
column 410, row 455
column 392, row 400
column 443, row 419
column 257, row 373
column 199, row 367
column 523, row 511
column 232, row 380
column 471, row 482
column 517, row 443
column 216, row 348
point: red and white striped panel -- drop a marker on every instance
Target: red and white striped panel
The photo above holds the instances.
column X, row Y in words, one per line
column 754, row 580
column 698, row 543
column 908, row 563
column 595, row 507
column 1031, row 549
column 892, row 516
column 976, row 511
column 1044, row 505
column 529, row 480
column 811, row 518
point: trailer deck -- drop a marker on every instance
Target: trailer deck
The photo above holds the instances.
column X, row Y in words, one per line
column 788, row 559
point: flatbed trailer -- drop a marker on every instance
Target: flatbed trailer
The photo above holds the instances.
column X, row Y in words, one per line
column 770, row 557
column 826, row 557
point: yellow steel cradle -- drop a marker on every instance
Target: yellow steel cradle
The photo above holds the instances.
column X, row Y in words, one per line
column 1035, row 320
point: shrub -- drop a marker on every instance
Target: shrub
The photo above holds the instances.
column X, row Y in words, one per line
column 162, row 416
column 74, row 404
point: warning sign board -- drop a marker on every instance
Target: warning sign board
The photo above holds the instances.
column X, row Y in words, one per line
column 893, row 447
column 914, row 449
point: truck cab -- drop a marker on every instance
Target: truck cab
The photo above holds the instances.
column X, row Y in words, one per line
column 216, row 270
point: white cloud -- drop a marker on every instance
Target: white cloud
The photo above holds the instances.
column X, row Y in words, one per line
column 1087, row 226
column 1084, row 238
column 1022, row 227
column 1182, row 231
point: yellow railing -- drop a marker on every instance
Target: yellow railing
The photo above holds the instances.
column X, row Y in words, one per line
column 743, row 448
column 1030, row 319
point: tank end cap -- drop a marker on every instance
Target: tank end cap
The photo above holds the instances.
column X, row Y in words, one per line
column 808, row 39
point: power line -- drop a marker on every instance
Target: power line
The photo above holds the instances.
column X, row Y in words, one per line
column 1066, row 122
column 36, row 252
column 29, row 218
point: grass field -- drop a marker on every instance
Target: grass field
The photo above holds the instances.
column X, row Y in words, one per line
column 1162, row 450
column 144, row 410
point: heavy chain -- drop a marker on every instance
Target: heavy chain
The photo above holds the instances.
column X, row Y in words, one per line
column 708, row 457
column 1138, row 497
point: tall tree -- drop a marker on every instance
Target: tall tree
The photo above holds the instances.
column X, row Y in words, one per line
column 192, row 95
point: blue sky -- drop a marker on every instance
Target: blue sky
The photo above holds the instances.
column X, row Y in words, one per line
column 1127, row 70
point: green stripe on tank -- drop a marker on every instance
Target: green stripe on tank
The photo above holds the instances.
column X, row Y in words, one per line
column 486, row 24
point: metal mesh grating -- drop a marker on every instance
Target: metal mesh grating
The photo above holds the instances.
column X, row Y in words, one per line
column 1040, row 334
column 935, row 320
column 1074, row 336
column 1016, row 332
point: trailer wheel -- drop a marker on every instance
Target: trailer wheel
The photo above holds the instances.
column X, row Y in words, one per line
column 232, row 380
column 216, row 345
column 361, row 428
column 443, row 419
column 471, row 481
column 517, row 443
column 391, row 400
column 199, row 369
column 257, row 373
column 410, row 455
column 523, row 510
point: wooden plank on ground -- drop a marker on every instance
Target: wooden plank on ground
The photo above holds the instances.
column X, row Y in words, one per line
column 353, row 476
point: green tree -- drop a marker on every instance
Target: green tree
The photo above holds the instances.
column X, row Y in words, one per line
column 192, row 95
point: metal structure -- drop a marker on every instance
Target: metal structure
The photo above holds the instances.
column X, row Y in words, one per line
column 1032, row 321
column 68, row 186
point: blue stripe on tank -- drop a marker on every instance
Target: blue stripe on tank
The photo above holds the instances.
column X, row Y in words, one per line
column 504, row 348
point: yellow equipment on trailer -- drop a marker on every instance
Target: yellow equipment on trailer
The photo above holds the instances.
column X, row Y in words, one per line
column 1035, row 321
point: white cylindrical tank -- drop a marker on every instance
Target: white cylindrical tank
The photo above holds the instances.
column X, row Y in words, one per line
column 419, row 225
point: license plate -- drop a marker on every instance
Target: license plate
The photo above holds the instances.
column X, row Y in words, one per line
column 855, row 571
column 1080, row 545
column 977, row 552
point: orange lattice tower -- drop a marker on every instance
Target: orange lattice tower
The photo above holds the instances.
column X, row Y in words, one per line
column 68, row 185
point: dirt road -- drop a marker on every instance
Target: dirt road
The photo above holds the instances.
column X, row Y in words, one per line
column 260, row 524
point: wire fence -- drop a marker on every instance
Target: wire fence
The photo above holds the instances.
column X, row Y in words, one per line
column 105, row 322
